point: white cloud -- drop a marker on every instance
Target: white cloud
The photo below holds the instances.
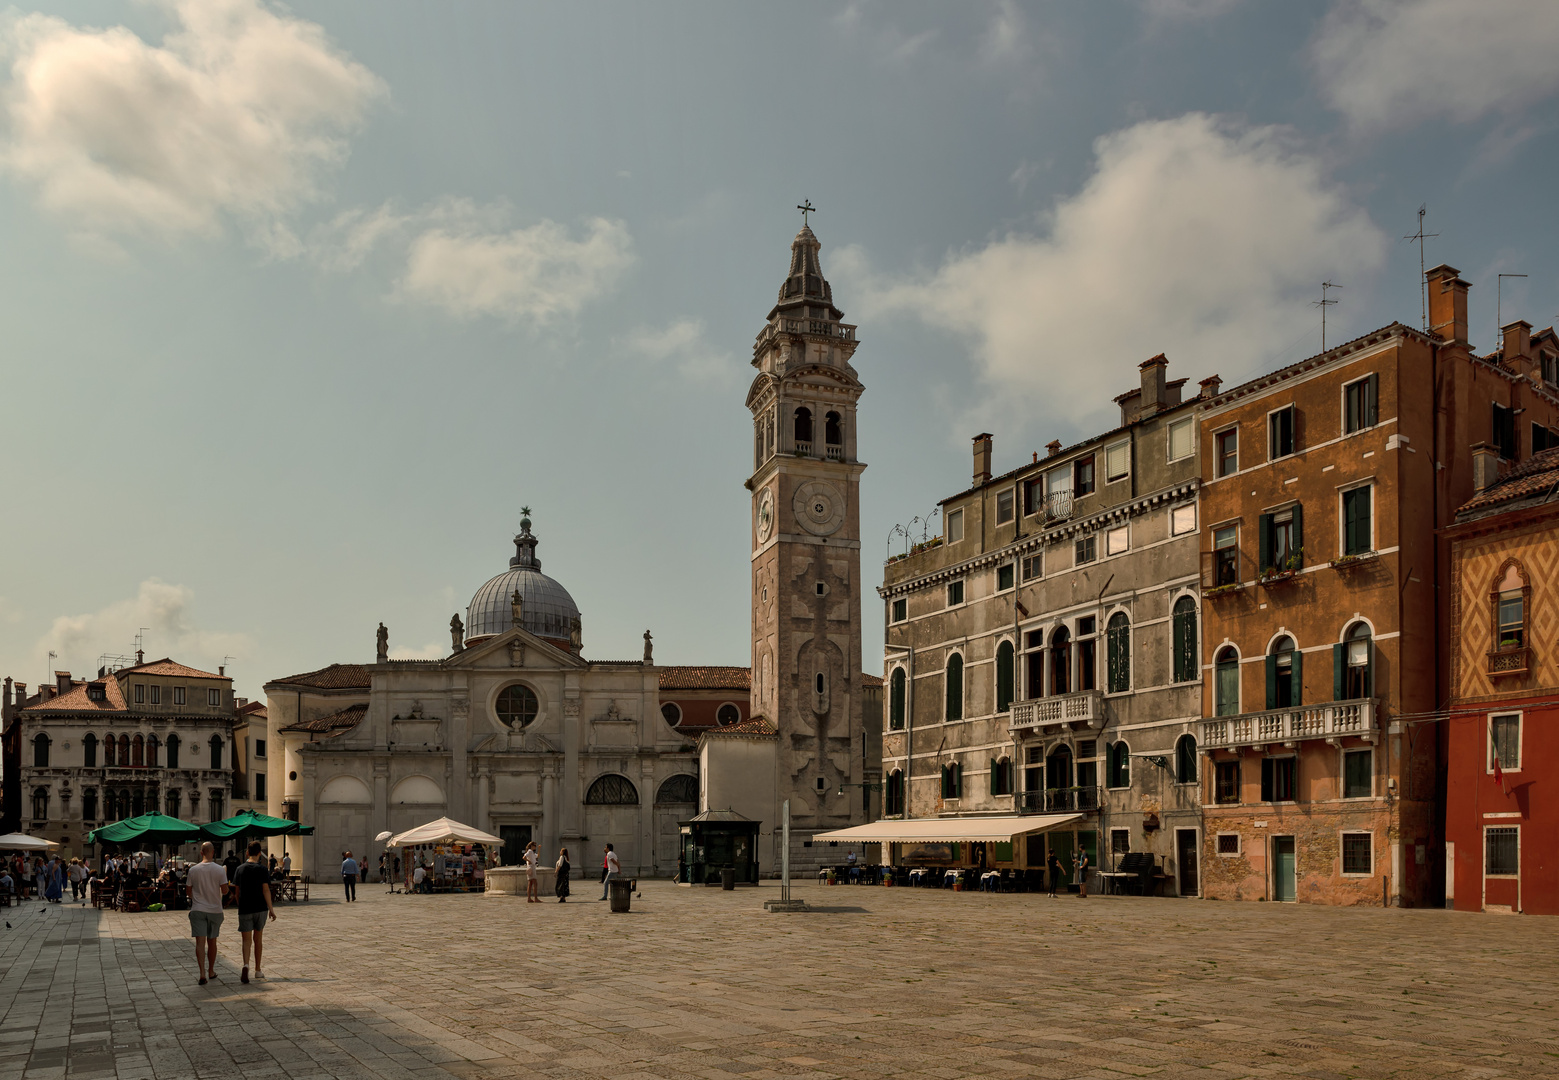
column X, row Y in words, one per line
column 532, row 274
column 163, row 609
column 237, row 113
column 1006, row 35
column 682, row 343
column 1188, row 9
column 1192, row 237
column 1395, row 63
column 434, row 650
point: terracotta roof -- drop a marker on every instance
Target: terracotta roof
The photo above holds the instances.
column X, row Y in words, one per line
column 254, row 708
column 167, row 666
column 335, row 723
column 870, row 680
column 758, row 726
column 334, row 677
column 705, row 678
column 1534, row 480
column 76, row 699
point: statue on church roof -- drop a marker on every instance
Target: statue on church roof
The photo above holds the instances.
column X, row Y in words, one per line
column 576, row 634
column 649, row 649
column 457, row 632
column 383, row 640
column 517, row 606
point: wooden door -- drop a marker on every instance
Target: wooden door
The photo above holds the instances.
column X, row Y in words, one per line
column 1283, row 886
column 1185, row 861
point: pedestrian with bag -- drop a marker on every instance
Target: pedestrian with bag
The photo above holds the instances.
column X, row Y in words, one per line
column 253, row 881
column 207, row 886
column 611, row 868
column 349, row 876
column 560, row 884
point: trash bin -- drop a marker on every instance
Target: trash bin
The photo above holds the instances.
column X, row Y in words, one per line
column 728, row 879
column 621, row 892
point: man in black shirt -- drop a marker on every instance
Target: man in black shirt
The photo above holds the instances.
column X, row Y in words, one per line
column 253, row 882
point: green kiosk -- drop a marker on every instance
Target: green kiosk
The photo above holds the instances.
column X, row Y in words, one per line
column 716, row 840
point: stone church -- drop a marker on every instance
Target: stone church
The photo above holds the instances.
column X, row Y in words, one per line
column 518, row 733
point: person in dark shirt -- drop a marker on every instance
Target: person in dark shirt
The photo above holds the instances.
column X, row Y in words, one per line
column 232, row 864
column 253, row 883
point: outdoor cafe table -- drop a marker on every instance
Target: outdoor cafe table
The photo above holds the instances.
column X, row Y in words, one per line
column 1111, row 880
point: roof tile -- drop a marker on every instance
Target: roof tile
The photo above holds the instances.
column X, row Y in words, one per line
column 334, row 723
column 334, row 677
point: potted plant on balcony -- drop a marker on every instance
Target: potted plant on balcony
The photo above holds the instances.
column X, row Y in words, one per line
column 1285, row 570
column 1349, row 561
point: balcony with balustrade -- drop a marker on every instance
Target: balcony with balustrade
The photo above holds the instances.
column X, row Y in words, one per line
column 1332, row 721
column 1070, row 710
column 1058, row 507
column 1067, row 800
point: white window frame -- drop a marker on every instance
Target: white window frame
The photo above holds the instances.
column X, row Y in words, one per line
column 1483, row 856
column 1123, row 532
column 1169, row 438
column 1217, row 457
column 178, row 695
column 1076, row 549
column 1011, row 493
column 1270, row 414
column 1342, row 853
column 1291, row 756
column 893, row 609
column 1013, row 566
column 953, row 522
column 1113, row 833
column 1342, row 516
column 1175, row 511
column 1342, row 408
column 213, row 697
column 963, row 593
column 1342, row 767
column 1124, row 446
column 1038, row 558
column 1488, row 736
column 1239, row 846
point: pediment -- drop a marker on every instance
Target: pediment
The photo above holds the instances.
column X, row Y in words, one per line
column 498, row 652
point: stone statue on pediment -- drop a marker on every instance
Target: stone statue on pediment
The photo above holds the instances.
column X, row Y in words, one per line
column 649, row 649
column 517, row 607
column 576, row 634
column 383, row 639
column 457, row 632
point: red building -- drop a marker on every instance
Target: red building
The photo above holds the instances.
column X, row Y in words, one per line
column 1502, row 814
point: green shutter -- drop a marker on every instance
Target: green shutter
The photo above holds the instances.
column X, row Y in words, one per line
column 1272, row 681
column 1296, row 692
column 1372, row 404
column 1339, row 670
column 1350, row 528
column 1264, row 542
column 1299, row 532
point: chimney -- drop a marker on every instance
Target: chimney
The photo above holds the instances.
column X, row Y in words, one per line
column 1210, row 386
column 221, row 669
column 982, row 458
column 1173, row 393
column 62, row 682
column 1485, row 466
column 1518, row 346
column 21, row 694
column 140, row 656
column 1153, row 389
column 1447, row 303
column 1053, row 447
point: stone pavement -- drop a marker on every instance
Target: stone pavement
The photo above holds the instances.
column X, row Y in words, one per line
column 702, row 983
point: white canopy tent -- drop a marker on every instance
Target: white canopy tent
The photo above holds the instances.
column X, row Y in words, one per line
column 443, row 831
column 951, row 830
column 17, row 841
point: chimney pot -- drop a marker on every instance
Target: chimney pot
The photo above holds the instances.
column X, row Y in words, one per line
column 1053, row 447
column 982, row 458
column 1485, row 466
column 1210, row 385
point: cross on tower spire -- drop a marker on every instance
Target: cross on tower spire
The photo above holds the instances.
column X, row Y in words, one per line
column 806, row 207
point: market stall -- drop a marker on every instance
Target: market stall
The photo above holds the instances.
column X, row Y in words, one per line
column 454, row 856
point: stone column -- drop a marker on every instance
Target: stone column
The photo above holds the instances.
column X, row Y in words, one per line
column 379, row 819
column 304, row 864
column 550, row 825
column 456, row 739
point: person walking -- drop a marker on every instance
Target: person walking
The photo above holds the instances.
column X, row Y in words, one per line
column 1053, row 866
column 1082, row 874
column 286, row 863
column 532, row 856
column 613, row 869
column 349, row 876
column 560, row 884
column 253, row 882
column 54, row 876
column 207, row 887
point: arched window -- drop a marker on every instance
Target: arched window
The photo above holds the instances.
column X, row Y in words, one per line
column 109, row 746
column 173, row 803
column 757, row 443
column 672, row 713
column 1118, row 766
column 1061, row 661
column 1058, row 771
column 677, row 790
column 1353, row 662
column 216, row 802
column 173, row 754
column 803, row 428
column 124, row 751
column 40, row 754
column 833, row 430
column 896, row 690
column 954, row 680
column 89, row 750
column 216, row 753
column 1285, row 683
column 1003, row 676
column 151, row 751
column 728, row 714
column 138, row 752
column 1185, row 639
column 40, row 804
column 1510, row 599
column 612, row 790
column 893, row 800
column 1185, row 759
column 89, row 804
column 1226, row 685
column 517, row 706
column 1118, row 643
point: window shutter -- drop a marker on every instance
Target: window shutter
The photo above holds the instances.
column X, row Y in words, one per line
column 995, row 777
column 1296, row 691
column 1264, row 541
column 1372, row 400
column 1272, row 681
column 1369, row 667
column 1339, row 669
column 1299, row 529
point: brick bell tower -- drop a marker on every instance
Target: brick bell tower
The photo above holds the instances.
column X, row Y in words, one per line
column 806, row 550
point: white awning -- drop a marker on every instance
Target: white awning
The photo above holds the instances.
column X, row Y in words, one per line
column 443, row 831
column 950, row 830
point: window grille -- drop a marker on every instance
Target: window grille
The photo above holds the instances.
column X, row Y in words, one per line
column 612, row 790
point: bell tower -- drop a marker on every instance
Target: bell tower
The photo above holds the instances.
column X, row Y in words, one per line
column 806, row 549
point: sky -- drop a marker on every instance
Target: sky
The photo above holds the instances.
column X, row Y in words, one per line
column 299, row 305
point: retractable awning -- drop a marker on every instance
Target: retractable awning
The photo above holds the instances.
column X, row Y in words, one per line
column 958, row 830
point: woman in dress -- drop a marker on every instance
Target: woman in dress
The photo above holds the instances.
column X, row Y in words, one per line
column 561, row 885
column 54, row 879
column 532, row 856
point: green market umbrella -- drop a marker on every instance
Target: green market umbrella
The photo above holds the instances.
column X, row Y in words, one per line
column 252, row 823
column 151, row 828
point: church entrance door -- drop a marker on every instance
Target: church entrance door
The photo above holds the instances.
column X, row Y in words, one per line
column 515, row 837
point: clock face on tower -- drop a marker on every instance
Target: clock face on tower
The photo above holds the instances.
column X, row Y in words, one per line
column 819, row 507
column 765, row 515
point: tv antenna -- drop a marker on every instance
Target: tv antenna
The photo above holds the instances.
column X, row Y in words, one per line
column 1423, row 286
column 1499, row 307
column 53, row 656
column 1323, row 304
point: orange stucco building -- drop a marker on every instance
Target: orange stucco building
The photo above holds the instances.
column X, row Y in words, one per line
column 1325, row 584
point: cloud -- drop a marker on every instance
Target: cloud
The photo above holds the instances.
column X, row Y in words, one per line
column 1192, row 237
column 682, row 343
column 434, row 650
column 1188, row 9
column 532, row 274
column 239, row 112
column 1023, row 174
column 1006, row 35
column 163, row 609
column 1395, row 63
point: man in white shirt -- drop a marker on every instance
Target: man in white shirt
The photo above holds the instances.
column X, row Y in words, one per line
column 207, row 886
column 417, row 877
column 613, row 869
column 349, row 876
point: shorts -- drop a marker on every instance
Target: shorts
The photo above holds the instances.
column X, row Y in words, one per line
column 250, row 921
column 205, row 924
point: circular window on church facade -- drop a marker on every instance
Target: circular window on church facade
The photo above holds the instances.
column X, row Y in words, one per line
column 728, row 714
column 517, row 706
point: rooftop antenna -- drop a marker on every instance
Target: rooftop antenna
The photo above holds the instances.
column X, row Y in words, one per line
column 53, row 656
column 1323, row 304
column 225, row 661
column 806, row 207
column 1499, row 307
column 1423, row 286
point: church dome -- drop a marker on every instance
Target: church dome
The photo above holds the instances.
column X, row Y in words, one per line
column 548, row 610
